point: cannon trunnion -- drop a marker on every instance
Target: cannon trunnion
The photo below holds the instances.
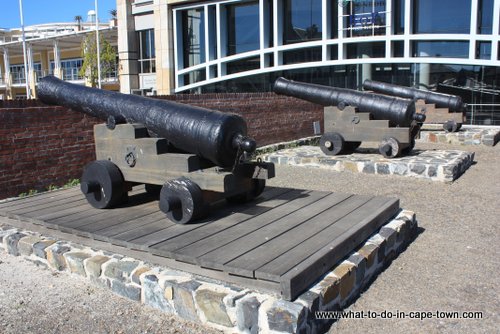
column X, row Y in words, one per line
column 190, row 157
column 352, row 117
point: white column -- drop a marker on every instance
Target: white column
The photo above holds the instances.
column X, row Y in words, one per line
column 326, row 28
column 408, row 28
column 30, row 80
column 389, row 28
column 340, row 27
column 473, row 30
column 278, row 30
column 6, row 63
column 496, row 29
column 263, row 33
column 57, row 60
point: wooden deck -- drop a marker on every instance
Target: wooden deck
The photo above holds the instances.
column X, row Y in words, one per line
column 282, row 242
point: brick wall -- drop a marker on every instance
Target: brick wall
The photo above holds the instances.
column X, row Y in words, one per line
column 42, row 145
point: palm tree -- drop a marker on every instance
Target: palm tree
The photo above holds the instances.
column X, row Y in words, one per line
column 112, row 12
column 78, row 19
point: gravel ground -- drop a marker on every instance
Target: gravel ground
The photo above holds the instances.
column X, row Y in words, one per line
column 453, row 265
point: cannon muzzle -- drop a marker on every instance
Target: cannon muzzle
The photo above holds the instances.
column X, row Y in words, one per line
column 399, row 112
column 452, row 102
column 215, row 136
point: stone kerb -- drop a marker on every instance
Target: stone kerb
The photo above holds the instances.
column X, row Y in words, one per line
column 466, row 136
column 217, row 304
column 435, row 165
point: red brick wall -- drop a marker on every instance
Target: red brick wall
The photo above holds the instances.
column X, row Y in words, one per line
column 43, row 145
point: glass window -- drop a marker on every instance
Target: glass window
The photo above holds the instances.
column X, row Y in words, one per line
column 193, row 36
column 485, row 17
column 243, row 27
column 399, row 17
column 301, row 56
column 17, row 72
column 302, row 21
column 366, row 50
column 441, row 17
column 398, row 49
column 364, row 18
column 483, row 50
column 447, row 49
column 243, row 65
column 334, row 13
column 147, row 51
column 194, row 77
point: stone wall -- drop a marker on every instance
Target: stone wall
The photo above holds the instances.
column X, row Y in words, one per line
column 216, row 304
column 46, row 145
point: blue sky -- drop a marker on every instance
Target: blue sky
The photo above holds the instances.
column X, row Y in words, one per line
column 49, row 11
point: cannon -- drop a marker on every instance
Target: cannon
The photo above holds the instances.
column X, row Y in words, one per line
column 444, row 102
column 351, row 117
column 191, row 157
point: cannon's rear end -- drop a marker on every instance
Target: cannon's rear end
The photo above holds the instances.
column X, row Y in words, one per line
column 191, row 157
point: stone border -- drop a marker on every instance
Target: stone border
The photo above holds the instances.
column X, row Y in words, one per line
column 434, row 165
column 216, row 304
column 466, row 136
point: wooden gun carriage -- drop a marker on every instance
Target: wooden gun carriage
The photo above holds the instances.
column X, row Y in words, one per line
column 190, row 156
column 351, row 117
column 445, row 109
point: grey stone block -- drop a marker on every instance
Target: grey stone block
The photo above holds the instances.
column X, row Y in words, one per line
column 93, row 265
column 75, row 260
column 153, row 295
column 55, row 256
column 212, row 305
column 184, row 301
column 383, row 169
column 285, row 316
column 359, row 262
column 25, row 245
column 389, row 235
column 247, row 314
column 39, row 248
column 120, row 270
column 369, row 168
column 130, row 291
column 11, row 242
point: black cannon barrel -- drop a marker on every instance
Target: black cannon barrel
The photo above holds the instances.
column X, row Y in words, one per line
column 441, row 100
column 213, row 135
column 398, row 111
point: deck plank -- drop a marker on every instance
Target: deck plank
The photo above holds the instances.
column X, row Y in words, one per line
column 166, row 241
column 27, row 201
column 268, row 251
column 204, row 237
column 261, row 230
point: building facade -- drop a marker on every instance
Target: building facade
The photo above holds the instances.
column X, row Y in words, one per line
column 169, row 46
column 51, row 49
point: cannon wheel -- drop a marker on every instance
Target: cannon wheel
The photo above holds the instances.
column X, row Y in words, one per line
column 390, row 147
column 102, row 184
column 451, row 126
column 257, row 188
column 182, row 201
column 332, row 143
